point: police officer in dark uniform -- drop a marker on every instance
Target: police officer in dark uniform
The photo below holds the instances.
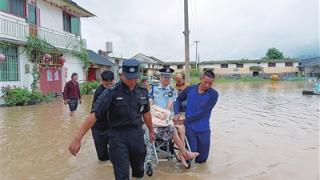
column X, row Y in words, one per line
column 100, row 128
column 126, row 104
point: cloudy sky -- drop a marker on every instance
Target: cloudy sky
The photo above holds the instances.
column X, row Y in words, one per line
column 226, row 29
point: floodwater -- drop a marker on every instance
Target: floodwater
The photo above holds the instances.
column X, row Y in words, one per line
column 259, row 131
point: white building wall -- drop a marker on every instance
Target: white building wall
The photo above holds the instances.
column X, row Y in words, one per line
column 25, row 78
column 72, row 64
column 247, row 65
column 232, row 66
column 50, row 16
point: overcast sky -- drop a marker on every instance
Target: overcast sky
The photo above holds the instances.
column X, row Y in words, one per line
column 226, row 29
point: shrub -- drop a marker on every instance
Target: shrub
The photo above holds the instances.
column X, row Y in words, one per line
column 36, row 97
column 15, row 96
column 18, row 96
column 88, row 87
column 49, row 97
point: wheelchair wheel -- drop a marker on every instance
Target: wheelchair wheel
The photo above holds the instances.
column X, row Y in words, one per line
column 149, row 169
column 189, row 164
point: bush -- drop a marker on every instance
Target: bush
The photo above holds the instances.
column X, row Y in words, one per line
column 36, row 97
column 49, row 97
column 88, row 87
column 15, row 96
column 18, row 96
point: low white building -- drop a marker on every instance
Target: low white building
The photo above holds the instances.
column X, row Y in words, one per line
column 252, row 67
column 56, row 22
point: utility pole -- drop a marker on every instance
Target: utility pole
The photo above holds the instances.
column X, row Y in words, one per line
column 196, row 53
column 186, row 33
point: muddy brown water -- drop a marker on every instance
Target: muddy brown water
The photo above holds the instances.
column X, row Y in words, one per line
column 259, row 131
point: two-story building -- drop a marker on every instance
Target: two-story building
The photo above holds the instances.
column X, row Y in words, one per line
column 33, row 23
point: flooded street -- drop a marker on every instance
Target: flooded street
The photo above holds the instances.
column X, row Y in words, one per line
column 259, row 131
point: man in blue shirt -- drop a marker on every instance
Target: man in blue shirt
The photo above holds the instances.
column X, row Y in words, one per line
column 201, row 99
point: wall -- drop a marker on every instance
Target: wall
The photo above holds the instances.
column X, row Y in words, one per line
column 50, row 16
column 232, row 69
column 72, row 64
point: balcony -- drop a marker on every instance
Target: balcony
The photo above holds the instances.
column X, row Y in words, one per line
column 17, row 30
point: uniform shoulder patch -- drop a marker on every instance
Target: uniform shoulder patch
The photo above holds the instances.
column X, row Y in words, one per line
column 114, row 87
column 141, row 86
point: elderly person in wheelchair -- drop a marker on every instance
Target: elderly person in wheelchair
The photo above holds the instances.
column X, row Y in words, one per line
column 166, row 131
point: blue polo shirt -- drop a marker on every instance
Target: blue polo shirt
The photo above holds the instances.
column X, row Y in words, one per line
column 162, row 95
column 198, row 107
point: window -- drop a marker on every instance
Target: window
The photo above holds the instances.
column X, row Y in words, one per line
column 289, row 64
column 180, row 66
column 71, row 23
column 224, row 65
column 239, row 65
column 75, row 24
column 66, row 22
column 32, row 13
column 271, row 64
column 9, row 68
column 16, row 7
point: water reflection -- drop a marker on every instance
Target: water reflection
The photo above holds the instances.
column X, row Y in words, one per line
column 260, row 131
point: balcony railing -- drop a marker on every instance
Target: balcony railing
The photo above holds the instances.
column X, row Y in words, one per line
column 19, row 30
column 13, row 29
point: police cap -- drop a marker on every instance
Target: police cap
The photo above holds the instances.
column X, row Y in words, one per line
column 166, row 71
column 130, row 69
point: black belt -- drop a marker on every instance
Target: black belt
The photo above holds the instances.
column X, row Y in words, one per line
column 126, row 127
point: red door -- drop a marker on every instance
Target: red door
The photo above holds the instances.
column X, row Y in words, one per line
column 50, row 80
column 92, row 74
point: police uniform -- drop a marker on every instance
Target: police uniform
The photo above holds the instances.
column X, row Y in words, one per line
column 101, row 127
column 125, row 108
column 100, row 131
column 162, row 95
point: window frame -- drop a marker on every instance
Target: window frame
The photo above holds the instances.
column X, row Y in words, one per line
column 35, row 14
column 10, row 6
column 272, row 64
column 239, row 65
column 67, row 17
column 225, row 66
column 8, row 68
column 286, row 64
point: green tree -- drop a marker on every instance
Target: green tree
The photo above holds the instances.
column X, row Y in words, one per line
column 274, row 53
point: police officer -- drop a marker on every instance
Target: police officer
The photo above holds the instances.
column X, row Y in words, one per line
column 164, row 94
column 100, row 128
column 125, row 103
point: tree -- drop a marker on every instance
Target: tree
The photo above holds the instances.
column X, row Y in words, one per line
column 274, row 53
